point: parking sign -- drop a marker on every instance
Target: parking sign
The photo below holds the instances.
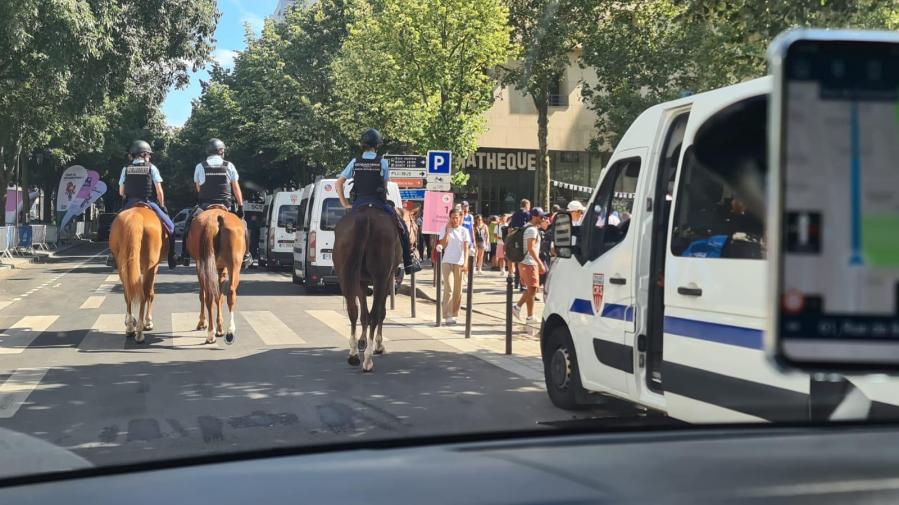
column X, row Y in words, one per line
column 440, row 162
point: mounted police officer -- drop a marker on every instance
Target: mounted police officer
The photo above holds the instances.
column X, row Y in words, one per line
column 370, row 176
column 216, row 182
column 137, row 183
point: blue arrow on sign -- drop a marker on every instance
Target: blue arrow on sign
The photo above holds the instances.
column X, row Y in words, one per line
column 440, row 162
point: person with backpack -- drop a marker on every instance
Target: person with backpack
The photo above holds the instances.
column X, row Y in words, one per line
column 530, row 266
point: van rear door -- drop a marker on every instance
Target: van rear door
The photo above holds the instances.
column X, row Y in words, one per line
column 602, row 312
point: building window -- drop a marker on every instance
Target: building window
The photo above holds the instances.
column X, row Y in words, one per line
column 557, row 95
column 570, row 157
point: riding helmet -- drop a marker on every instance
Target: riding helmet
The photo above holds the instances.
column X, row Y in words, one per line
column 214, row 146
column 371, row 138
column 140, row 147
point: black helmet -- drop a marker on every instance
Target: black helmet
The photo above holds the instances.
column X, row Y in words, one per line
column 214, row 146
column 371, row 138
column 140, row 147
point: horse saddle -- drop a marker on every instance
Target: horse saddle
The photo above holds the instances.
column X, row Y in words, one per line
column 218, row 206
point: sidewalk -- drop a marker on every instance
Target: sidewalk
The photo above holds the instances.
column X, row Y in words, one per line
column 488, row 296
column 38, row 256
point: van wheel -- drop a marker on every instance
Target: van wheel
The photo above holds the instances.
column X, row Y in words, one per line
column 560, row 370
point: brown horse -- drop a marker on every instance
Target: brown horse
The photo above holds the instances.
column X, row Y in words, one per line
column 366, row 251
column 217, row 244
column 137, row 242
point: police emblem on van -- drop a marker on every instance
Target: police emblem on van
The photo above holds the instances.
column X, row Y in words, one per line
column 598, row 281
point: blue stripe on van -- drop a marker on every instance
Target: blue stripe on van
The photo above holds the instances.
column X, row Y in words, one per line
column 616, row 311
column 714, row 332
column 582, row 306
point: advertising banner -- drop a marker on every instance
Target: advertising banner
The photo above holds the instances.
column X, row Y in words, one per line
column 74, row 211
column 14, row 201
column 72, row 180
column 437, row 208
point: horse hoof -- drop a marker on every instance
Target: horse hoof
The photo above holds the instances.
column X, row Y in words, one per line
column 201, row 326
column 148, row 326
column 379, row 351
column 139, row 339
column 229, row 338
column 370, row 368
column 210, row 340
column 131, row 334
column 353, row 360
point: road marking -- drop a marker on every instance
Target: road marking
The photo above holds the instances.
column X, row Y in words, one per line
column 338, row 322
column 104, row 288
column 108, row 332
column 16, row 389
column 112, row 278
column 93, row 302
column 3, row 305
column 20, row 335
column 270, row 329
column 184, row 332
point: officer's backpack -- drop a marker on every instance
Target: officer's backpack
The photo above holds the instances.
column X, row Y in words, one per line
column 514, row 244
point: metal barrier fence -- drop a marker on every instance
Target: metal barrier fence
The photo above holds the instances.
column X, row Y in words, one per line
column 7, row 241
column 52, row 235
column 25, row 243
column 39, row 237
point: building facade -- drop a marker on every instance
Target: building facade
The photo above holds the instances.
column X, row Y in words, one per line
column 505, row 168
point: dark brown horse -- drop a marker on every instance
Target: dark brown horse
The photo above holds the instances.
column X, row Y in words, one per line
column 366, row 251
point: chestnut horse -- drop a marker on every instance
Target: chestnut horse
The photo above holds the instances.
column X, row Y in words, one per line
column 366, row 251
column 137, row 242
column 217, row 243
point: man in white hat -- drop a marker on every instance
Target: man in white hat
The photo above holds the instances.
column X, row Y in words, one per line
column 577, row 210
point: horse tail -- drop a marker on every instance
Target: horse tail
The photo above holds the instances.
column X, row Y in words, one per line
column 354, row 273
column 208, row 246
column 129, row 265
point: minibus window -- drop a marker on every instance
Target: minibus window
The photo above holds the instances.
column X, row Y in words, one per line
column 287, row 214
column 608, row 217
column 332, row 211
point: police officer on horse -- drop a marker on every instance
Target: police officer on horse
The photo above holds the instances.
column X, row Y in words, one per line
column 216, row 182
column 370, row 176
column 137, row 183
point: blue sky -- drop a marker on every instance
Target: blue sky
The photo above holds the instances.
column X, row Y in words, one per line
column 229, row 38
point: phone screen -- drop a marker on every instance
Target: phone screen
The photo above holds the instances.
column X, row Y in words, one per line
column 839, row 241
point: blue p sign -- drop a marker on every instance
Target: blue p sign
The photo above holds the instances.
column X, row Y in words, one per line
column 440, row 162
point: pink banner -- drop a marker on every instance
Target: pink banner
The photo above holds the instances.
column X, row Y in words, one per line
column 437, row 208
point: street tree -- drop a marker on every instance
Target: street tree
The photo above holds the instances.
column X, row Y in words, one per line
column 422, row 71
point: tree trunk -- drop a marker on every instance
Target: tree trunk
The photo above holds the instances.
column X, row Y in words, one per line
column 544, row 171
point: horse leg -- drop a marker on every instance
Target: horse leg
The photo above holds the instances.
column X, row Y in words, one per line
column 201, row 324
column 365, row 314
column 234, row 275
column 129, row 319
column 376, row 318
column 139, row 323
column 210, row 329
column 220, row 319
column 379, row 339
column 352, row 310
column 150, row 296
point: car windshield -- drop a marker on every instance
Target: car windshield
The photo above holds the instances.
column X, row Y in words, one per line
column 129, row 334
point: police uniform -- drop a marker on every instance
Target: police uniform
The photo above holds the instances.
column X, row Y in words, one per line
column 138, row 181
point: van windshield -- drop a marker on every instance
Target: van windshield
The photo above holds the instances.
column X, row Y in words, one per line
column 288, row 214
column 332, row 211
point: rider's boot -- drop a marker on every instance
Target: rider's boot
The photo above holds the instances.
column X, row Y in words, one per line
column 247, row 257
column 172, row 261
column 185, row 257
column 410, row 264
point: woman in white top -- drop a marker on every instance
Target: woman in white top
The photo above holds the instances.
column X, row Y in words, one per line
column 454, row 241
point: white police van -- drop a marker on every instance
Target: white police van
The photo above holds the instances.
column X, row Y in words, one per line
column 314, row 245
column 662, row 298
column 277, row 235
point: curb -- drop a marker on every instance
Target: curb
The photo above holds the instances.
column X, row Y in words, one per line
column 422, row 295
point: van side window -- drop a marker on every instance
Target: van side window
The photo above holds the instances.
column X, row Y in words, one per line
column 711, row 219
column 301, row 213
column 608, row 217
column 287, row 214
column 332, row 212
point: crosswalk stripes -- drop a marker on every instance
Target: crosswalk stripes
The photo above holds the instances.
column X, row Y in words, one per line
column 270, row 329
column 111, row 278
column 184, row 332
column 14, row 392
column 107, row 333
column 93, row 302
column 5, row 304
column 20, row 335
column 338, row 322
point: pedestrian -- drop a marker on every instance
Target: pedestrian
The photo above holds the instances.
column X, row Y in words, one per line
column 531, row 267
column 468, row 220
column 481, row 240
column 137, row 183
column 499, row 257
column 519, row 220
column 455, row 243
column 491, row 241
column 577, row 210
column 216, row 182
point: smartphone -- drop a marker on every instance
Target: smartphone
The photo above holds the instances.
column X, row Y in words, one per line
column 833, row 219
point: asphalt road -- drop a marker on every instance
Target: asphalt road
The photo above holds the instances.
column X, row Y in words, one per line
column 69, row 376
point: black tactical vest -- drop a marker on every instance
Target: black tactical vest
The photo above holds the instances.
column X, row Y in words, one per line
column 217, row 187
column 367, row 178
column 138, row 181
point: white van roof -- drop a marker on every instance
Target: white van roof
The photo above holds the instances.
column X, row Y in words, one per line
column 703, row 105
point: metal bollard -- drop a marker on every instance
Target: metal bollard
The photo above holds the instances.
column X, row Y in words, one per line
column 413, row 294
column 468, row 299
column 438, row 278
column 509, row 313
